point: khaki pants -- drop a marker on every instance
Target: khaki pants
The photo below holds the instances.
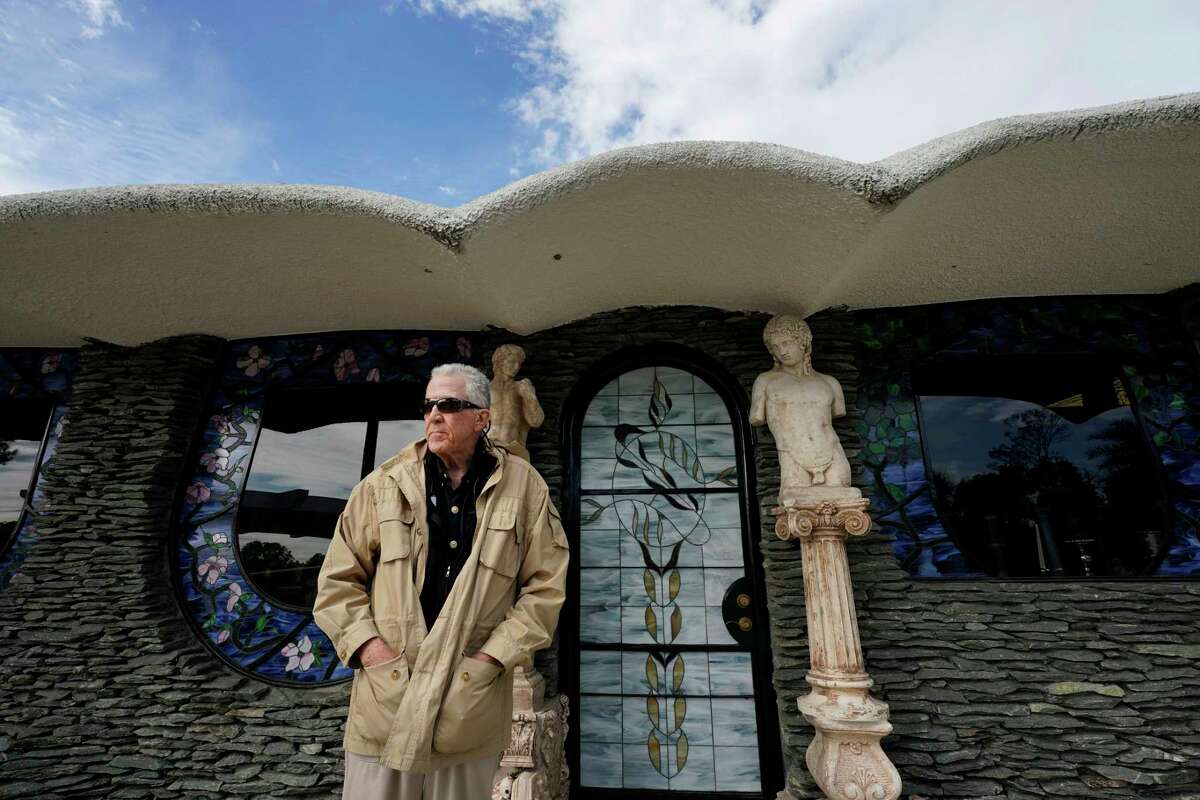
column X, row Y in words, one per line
column 366, row 779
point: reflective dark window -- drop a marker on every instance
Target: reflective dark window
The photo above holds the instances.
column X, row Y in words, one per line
column 22, row 431
column 1040, row 467
column 307, row 460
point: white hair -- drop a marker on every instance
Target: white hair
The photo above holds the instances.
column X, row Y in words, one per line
column 479, row 388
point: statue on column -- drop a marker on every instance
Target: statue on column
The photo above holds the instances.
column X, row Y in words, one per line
column 819, row 508
column 515, row 407
column 799, row 404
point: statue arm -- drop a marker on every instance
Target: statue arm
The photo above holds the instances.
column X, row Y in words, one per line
column 531, row 409
column 758, row 401
column 839, row 399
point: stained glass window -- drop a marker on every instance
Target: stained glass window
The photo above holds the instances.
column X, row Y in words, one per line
column 664, row 686
column 1040, row 468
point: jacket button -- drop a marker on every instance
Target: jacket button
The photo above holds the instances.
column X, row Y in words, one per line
column 453, row 509
column 454, row 544
column 395, row 674
column 466, row 676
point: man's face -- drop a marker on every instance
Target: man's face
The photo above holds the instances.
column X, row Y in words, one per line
column 453, row 436
column 786, row 349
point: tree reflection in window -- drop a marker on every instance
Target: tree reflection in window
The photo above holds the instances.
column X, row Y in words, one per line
column 1039, row 467
column 298, row 485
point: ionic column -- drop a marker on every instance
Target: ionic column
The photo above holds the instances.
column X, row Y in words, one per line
column 845, row 757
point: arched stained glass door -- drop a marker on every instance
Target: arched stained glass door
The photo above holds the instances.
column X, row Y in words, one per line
column 668, row 627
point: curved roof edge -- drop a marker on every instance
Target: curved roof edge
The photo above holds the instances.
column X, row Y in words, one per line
column 880, row 183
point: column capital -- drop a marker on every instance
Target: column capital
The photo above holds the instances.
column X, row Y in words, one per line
column 823, row 517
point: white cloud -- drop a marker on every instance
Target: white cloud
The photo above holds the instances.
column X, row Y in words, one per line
column 448, row 190
column 113, row 109
column 857, row 80
column 99, row 14
column 519, row 10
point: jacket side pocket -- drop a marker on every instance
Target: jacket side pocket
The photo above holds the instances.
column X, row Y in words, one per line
column 378, row 690
column 474, row 708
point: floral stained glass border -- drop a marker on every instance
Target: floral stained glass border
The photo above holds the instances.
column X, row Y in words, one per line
column 35, row 374
column 275, row 644
column 1138, row 333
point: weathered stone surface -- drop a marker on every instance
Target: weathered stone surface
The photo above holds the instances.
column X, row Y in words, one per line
column 94, row 652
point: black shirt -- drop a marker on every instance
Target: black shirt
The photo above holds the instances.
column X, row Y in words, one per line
column 451, row 516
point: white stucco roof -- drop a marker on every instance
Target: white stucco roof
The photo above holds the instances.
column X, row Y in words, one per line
column 1101, row 200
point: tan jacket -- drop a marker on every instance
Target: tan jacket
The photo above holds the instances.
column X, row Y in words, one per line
column 432, row 706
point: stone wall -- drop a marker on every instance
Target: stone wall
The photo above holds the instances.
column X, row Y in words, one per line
column 104, row 689
column 1016, row 690
column 997, row 688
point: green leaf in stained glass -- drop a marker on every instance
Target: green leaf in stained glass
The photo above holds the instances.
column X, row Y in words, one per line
column 727, row 476
column 897, row 492
column 681, row 751
column 594, row 514
column 894, row 389
column 906, row 422
column 654, row 750
column 1161, row 438
column 677, row 673
column 878, row 448
column 676, row 623
column 652, row 673
column 651, row 623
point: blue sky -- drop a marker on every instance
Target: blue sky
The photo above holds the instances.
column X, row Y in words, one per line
column 445, row 100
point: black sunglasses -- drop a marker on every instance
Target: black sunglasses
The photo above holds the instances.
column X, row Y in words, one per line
column 446, row 405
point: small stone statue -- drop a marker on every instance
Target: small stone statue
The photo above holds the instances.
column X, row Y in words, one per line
column 515, row 407
column 798, row 404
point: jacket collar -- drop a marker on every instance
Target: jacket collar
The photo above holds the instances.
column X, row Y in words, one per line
column 407, row 469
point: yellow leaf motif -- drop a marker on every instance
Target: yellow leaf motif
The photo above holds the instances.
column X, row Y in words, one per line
column 680, row 713
column 652, row 673
column 674, row 586
column 651, row 623
column 676, row 622
column 655, row 751
column 648, row 582
column 681, row 752
column 677, row 673
column 652, row 711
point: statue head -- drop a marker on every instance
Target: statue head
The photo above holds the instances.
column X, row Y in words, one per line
column 789, row 341
column 507, row 360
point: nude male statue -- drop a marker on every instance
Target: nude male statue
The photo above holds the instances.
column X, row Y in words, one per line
column 798, row 404
column 515, row 407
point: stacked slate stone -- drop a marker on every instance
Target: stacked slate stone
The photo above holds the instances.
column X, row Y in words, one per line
column 105, row 691
column 997, row 689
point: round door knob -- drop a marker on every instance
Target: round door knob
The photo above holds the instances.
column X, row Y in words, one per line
column 743, row 600
column 745, row 624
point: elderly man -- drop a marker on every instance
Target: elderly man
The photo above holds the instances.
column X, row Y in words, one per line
column 446, row 570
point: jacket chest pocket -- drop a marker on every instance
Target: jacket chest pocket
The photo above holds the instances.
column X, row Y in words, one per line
column 499, row 552
column 395, row 557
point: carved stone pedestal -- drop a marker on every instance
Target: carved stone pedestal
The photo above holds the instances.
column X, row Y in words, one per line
column 534, row 767
column 845, row 757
